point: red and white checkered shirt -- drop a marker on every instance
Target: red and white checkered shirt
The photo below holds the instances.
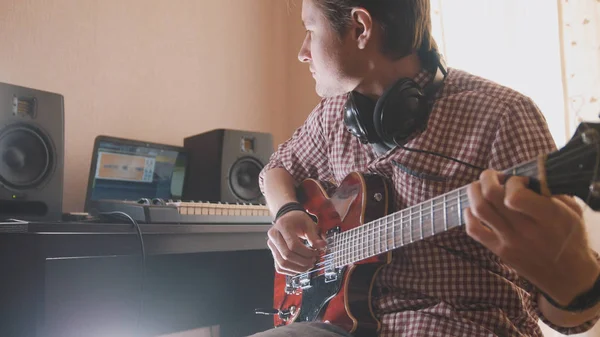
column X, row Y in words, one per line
column 447, row 284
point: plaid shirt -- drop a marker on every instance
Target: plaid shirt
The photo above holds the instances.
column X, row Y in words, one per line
column 447, row 284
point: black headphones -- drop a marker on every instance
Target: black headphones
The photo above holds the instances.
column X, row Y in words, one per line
column 403, row 109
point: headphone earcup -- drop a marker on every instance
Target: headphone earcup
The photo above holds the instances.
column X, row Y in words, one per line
column 358, row 117
column 400, row 111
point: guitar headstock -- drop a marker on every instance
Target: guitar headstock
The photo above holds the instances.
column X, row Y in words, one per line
column 575, row 169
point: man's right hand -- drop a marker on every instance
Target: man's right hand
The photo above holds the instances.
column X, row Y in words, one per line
column 286, row 236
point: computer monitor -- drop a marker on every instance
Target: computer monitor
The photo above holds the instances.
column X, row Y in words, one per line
column 127, row 169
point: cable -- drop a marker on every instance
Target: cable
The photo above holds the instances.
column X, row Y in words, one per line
column 443, row 156
column 143, row 269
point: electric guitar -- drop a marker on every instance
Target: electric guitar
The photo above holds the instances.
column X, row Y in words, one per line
column 360, row 233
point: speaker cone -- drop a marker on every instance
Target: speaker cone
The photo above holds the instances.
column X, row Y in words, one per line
column 243, row 179
column 25, row 157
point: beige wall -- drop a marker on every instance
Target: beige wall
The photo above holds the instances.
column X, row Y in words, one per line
column 154, row 70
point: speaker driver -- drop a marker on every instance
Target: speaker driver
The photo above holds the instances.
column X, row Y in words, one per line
column 243, row 179
column 25, row 157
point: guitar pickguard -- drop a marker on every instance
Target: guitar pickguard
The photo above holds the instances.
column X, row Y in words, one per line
column 316, row 297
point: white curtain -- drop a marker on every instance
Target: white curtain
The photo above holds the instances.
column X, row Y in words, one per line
column 580, row 26
column 548, row 50
column 513, row 42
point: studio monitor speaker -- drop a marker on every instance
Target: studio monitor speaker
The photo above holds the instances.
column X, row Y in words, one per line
column 31, row 154
column 224, row 166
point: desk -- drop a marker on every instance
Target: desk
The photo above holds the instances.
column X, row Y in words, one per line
column 83, row 279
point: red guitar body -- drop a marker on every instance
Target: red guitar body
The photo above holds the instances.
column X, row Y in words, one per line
column 341, row 296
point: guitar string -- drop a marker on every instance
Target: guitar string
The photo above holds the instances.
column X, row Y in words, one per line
column 412, row 210
column 352, row 241
column 413, row 230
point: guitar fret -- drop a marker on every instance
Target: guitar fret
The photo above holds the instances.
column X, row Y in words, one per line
column 371, row 248
column 460, row 216
column 355, row 244
column 357, row 251
column 372, row 244
column 445, row 214
column 343, row 251
column 410, row 224
column 348, row 251
column 361, row 244
column 421, row 222
column 334, row 249
column 432, row 222
column 386, row 235
column 394, row 231
column 377, row 251
column 402, row 229
column 367, row 241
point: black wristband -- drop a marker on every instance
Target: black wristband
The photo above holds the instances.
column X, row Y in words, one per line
column 582, row 302
column 290, row 206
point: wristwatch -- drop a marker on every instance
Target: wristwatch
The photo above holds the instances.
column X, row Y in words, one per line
column 583, row 301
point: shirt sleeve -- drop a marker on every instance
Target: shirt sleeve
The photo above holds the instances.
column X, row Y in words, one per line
column 304, row 155
column 522, row 135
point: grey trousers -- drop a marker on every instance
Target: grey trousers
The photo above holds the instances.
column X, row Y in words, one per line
column 304, row 329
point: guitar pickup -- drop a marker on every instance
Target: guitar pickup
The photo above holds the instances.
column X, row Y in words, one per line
column 305, row 281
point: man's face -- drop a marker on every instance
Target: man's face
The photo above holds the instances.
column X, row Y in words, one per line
column 331, row 59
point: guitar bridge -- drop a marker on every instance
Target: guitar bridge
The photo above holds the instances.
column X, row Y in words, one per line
column 294, row 283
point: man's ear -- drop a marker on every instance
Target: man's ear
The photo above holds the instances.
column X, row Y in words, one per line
column 361, row 27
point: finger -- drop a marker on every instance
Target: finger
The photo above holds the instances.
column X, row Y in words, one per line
column 571, row 203
column 296, row 245
column 291, row 254
column 523, row 200
column 485, row 211
column 282, row 265
column 313, row 237
column 276, row 256
column 491, row 188
column 479, row 231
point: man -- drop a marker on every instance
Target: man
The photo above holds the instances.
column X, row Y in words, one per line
column 520, row 256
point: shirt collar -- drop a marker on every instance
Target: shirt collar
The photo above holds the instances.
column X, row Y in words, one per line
column 423, row 78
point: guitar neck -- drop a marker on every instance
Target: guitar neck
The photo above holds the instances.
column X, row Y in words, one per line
column 409, row 225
